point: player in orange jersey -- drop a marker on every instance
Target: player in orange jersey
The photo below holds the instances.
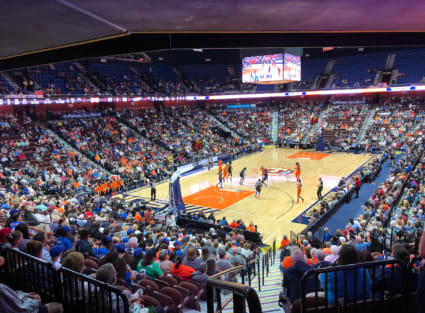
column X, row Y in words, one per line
column 299, row 186
column 297, row 171
column 220, row 165
column 225, row 172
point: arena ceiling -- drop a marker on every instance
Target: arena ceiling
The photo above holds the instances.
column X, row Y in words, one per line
column 35, row 32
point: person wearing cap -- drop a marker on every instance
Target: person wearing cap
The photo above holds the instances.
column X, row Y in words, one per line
column 106, row 247
column 62, row 233
column 178, row 247
column 55, row 255
column 138, row 254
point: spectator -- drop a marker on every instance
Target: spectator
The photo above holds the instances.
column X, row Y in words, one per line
column 148, row 267
column 200, row 275
column 191, row 259
column 55, row 255
column 83, row 245
column 74, row 261
column 180, row 270
column 164, row 264
column 222, row 264
column 293, row 275
column 347, row 255
column 34, row 248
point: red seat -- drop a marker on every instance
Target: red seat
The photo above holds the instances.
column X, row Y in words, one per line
column 196, row 291
column 149, row 285
column 177, row 298
column 169, row 279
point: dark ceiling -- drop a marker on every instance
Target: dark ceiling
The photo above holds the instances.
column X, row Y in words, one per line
column 35, row 32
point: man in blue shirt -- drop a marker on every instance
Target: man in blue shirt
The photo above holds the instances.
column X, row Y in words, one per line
column 106, row 247
column 360, row 245
column 63, row 234
column 223, row 222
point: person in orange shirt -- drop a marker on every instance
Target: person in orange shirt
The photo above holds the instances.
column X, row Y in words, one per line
column 299, row 186
column 327, row 250
column 220, row 165
column 284, row 242
column 297, row 171
column 287, row 262
column 251, row 227
column 226, row 168
column 234, row 224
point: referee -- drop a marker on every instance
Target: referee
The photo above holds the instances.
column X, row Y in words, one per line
column 319, row 189
column 153, row 190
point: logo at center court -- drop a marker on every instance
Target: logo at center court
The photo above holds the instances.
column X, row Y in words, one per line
column 272, row 171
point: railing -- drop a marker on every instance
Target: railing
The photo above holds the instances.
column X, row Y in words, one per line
column 77, row 292
column 234, row 279
column 240, row 294
column 362, row 287
column 81, row 293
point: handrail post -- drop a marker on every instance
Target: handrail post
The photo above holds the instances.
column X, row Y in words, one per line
column 238, row 304
column 267, row 268
column 263, row 270
column 218, row 297
column 258, row 274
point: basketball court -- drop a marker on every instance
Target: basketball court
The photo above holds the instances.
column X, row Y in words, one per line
column 276, row 212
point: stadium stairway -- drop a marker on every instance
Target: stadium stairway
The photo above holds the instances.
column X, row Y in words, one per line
column 269, row 294
column 223, row 126
column 366, row 124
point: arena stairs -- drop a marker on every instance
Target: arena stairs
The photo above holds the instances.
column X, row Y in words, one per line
column 269, row 294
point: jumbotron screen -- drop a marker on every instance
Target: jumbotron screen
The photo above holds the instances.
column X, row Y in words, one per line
column 271, row 69
column 262, row 69
column 292, row 68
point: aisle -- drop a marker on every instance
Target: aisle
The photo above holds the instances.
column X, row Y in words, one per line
column 269, row 294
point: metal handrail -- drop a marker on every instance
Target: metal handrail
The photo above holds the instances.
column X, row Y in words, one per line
column 240, row 294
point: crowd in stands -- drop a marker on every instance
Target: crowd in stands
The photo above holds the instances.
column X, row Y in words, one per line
column 394, row 119
column 115, row 147
column 341, row 123
column 189, row 133
column 123, row 247
column 251, row 124
column 297, row 120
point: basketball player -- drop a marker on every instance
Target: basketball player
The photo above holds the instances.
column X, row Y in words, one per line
column 220, row 179
column 299, row 186
column 265, row 176
column 220, row 165
column 242, row 174
column 226, row 168
column 297, row 171
column 319, row 189
column 210, row 162
column 258, row 188
column 229, row 172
